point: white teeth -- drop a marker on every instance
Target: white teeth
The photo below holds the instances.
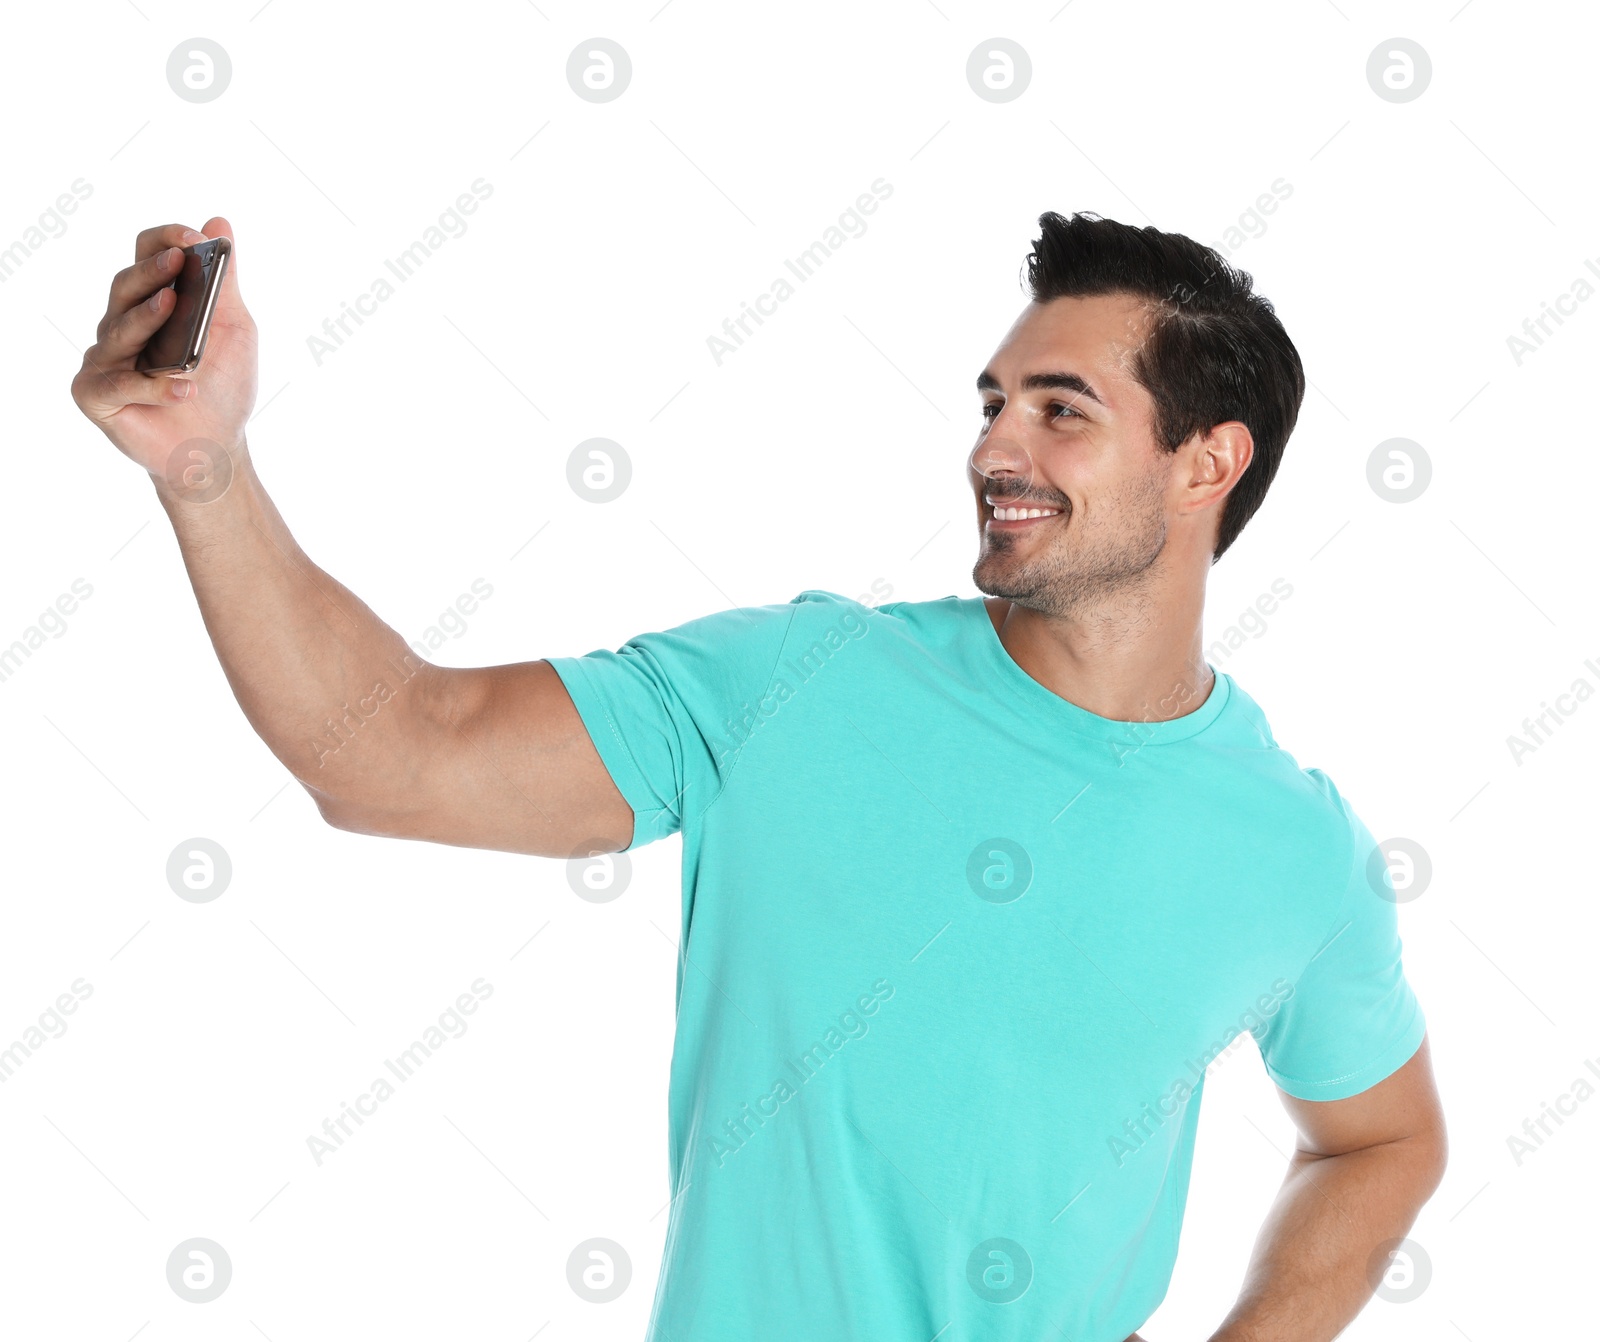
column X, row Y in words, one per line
column 1020, row 514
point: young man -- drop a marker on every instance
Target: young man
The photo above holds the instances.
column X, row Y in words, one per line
column 974, row 889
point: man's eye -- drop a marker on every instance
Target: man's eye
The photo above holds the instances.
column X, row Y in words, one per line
column 993, row 409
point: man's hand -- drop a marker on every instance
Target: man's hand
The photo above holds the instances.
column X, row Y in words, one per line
column 149, row 417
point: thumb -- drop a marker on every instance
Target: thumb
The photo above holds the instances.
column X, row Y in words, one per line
column 230, row 300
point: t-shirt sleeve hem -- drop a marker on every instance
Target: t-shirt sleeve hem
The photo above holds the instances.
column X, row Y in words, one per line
column 1385, row 1064
column 650, row 818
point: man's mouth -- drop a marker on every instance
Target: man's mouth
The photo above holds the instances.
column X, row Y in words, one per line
column 1018, row 515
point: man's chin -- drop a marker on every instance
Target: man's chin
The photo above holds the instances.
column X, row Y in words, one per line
column 994, row 576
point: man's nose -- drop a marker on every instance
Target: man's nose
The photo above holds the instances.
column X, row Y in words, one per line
column 1000, row 457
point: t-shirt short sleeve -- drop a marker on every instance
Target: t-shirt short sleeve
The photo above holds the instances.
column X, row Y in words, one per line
column 666, row 710
column 1352, row 1018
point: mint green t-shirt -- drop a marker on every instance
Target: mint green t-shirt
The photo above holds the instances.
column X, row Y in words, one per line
column 955, row 956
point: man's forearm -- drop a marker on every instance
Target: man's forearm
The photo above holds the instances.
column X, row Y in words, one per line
column 304, row 655
column 1313, row 1268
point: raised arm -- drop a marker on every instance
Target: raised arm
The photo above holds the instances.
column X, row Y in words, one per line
column 385, row 742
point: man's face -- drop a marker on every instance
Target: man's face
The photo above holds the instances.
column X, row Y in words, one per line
column 1068, row 430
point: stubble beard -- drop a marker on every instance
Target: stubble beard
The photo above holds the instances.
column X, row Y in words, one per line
column 1063, row 580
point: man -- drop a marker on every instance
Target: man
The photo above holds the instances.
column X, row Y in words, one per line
column 974, row 889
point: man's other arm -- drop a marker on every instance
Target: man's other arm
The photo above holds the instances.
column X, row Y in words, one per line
column 1361, row 1171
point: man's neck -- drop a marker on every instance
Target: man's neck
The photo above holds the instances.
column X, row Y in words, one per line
column 1146, row 675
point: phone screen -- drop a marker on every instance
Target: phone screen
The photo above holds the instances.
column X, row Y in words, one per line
column 173, row 344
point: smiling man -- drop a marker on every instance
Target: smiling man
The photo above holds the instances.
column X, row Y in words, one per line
column 974, row 889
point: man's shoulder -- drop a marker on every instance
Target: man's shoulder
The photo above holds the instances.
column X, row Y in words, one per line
column 878, row 601
column 1306, row 795
column 752, row 634
column 819, row 608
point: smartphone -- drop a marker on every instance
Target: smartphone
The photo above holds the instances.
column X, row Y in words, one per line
column 178, row 345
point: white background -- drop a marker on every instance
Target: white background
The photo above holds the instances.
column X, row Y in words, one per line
column 429, row 449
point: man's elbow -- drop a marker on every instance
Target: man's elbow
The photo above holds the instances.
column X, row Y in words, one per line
column 341, row 814
column 1440, row 1150
column 1428, row 1157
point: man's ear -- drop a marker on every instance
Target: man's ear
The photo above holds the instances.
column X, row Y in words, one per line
column 1219, row 458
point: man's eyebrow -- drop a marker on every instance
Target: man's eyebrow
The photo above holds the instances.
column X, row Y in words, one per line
column 1043, row 382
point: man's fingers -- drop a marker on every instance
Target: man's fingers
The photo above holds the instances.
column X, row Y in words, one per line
column 123, row 334
column 153, row 240
column 134, row 285
column 101, row 394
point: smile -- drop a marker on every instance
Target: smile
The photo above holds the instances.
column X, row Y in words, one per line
column 1023, row 514
column 1011, row 516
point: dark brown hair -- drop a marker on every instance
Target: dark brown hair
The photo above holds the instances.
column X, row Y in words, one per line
column 1216, row 350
